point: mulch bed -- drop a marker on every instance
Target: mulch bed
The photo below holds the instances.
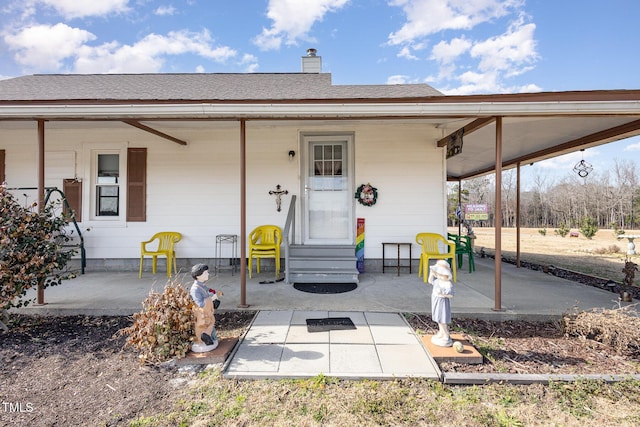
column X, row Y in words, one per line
column 522, row 347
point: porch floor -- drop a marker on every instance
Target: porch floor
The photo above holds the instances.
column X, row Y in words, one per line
column 526, row 294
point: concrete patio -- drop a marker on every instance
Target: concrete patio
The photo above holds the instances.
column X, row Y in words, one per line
column 526, row 294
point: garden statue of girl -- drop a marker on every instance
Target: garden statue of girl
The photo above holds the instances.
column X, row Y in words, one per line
column 207, row 301
column 440, row 277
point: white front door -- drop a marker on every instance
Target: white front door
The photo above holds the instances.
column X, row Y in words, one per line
column 327, row 189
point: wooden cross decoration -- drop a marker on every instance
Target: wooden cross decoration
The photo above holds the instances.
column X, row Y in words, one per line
column 278, row 193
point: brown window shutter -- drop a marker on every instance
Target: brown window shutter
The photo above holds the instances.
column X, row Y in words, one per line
column 1, row 166
column 72, row 190
column 137, row 184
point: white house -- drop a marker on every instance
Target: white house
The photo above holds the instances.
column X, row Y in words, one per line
column 200, row 153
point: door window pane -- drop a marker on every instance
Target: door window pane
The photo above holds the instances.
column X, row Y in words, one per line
column 327, row 160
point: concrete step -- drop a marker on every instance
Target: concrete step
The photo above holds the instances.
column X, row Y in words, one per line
column 329, row 263
column 322, row 264
column 315, row 276
column 322, row 250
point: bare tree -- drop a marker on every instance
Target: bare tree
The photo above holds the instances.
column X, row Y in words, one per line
column 610, row 197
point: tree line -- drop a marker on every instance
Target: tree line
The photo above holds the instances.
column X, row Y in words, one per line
column 608, row 199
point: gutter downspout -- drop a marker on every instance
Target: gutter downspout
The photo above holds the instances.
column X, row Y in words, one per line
column 498, row 217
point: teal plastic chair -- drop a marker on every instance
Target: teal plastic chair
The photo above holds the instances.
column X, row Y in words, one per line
column 463, row 246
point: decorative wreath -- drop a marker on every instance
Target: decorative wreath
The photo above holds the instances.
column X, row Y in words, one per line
column 367, row 195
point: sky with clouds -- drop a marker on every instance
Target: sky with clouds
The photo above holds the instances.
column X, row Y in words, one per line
column 457, row 46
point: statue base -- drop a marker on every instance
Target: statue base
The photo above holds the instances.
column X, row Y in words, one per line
column 442, row 342
column 200, row 347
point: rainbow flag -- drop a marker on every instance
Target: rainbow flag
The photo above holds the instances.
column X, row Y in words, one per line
column 360, row 245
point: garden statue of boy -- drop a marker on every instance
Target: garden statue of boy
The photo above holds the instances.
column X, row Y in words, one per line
column 207, row 301
column 441, row 278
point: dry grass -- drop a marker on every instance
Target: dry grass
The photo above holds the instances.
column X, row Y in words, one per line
column 602, row 256
column 617, row 328
column 325, row 401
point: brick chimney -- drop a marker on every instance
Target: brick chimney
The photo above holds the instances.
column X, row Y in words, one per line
column 311, row 63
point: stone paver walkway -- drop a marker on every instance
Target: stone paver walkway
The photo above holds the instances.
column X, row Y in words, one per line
column 278, row 345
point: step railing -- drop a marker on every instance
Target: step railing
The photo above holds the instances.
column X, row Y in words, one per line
column 63, row 199
column 289, row 235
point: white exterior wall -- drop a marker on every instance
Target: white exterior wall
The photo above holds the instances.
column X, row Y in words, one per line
column 407, row 168
column 195, row 189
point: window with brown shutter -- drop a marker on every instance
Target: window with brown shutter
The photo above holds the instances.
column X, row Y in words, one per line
column 72, row 189
column 137, row 184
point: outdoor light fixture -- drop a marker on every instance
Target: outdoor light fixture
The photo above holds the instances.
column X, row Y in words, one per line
column 292, row 154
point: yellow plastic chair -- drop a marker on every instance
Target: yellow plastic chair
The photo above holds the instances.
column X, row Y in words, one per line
column 431, row 244
column 264, row 242
column 165, row 247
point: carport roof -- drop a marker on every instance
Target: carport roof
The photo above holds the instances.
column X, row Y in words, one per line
column 534, row 126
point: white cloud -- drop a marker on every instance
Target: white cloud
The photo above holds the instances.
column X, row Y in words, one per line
column 445, row 72
column 467, row 65
column 292, row 21
column 473, row 82
column 45, row 47
column 426, row 17
column 405, row 52
column 82, row 8
column 397, row 80
column 165, row 11
column 114, row 58
column 528, row 88
column 148, row 55
column 446, row 52
column 250, row 63
column 633, row 147
column 507, row 51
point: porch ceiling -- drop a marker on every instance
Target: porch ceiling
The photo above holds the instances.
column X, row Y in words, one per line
column 532, row 139
column 534, row 129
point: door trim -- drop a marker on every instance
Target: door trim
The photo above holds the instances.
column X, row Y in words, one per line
column 306, row 138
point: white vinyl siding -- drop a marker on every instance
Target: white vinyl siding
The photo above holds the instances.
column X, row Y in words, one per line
column 195, row 189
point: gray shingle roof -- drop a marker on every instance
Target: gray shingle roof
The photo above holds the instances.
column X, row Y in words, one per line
column 197, row 87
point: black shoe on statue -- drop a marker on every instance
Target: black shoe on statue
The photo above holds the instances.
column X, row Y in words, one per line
column 206, row 338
